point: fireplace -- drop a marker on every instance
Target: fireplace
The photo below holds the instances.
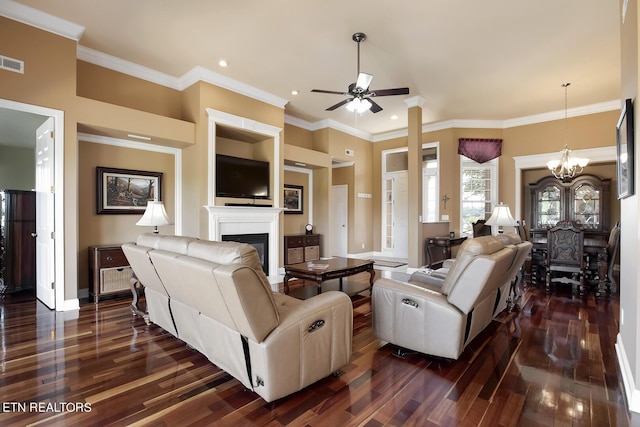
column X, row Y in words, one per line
column 260, row 241
column 234, row 220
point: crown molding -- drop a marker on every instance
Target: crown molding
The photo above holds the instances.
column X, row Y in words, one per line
column 116, row 64
column 44, row 21
column 199, row 73
column 327, row 123
column 457, row 123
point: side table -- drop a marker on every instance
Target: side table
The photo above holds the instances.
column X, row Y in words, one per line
column 109, row 271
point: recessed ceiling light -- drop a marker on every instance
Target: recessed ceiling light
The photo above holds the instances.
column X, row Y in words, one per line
column 223, row 63
column 294, row 92
column 394, row 117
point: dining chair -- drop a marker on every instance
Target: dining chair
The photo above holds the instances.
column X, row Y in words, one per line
column 480, row 228
column 565, row 255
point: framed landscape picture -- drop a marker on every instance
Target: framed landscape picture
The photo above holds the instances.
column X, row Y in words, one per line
column 625, row 151
column 126, row 191
column 293, row 196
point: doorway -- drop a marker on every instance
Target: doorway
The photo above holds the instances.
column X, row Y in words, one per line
column 52, row 267
column 395, row 203
column 339, row 220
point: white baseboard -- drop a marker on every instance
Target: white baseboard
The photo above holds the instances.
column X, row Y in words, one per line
column 362, row 255
column 632, row 393
column 69, row 304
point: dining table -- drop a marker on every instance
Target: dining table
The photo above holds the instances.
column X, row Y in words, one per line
column 591, row 247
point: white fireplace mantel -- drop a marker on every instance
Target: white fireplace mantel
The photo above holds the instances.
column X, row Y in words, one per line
column 225, row 220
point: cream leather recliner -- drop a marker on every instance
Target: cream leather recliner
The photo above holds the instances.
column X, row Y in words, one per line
column 215, row 297
column 440, row 313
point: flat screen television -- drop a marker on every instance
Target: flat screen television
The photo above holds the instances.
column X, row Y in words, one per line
column 241, row 178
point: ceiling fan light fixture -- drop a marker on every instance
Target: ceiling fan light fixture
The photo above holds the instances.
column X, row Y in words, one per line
column 363, row 82
column 359, row 105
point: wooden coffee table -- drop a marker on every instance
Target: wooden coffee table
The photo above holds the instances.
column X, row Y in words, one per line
column 326, row 269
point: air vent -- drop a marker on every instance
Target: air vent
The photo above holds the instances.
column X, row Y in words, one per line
column 11, row 64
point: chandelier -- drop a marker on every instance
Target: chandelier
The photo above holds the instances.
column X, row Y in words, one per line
column 567, row 167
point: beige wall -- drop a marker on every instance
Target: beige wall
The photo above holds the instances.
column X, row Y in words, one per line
column 294, row 223
column 17, row 168
column 107, row 229
column 628, row 342
column 101, row 84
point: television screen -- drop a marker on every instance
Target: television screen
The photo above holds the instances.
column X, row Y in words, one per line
column 241, row 178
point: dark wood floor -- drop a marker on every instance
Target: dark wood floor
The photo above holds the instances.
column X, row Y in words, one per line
column 551, row 363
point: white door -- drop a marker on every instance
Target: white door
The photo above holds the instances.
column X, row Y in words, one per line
column 400, row 214
column 45, row 260
column 339, row 220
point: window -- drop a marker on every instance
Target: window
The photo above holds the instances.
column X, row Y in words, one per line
column 430, row 182
column 479, row 190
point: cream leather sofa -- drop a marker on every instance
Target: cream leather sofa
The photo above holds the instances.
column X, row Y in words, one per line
column 440, row 312
column 215, row 297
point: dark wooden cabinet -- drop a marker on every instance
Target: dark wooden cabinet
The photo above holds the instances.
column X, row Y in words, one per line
column 301, row 248
column 585, row 199
column 17, row 241
column 109, row 271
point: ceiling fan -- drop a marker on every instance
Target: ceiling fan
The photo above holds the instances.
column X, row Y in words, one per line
column 359, row 95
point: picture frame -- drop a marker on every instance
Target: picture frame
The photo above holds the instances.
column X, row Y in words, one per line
column 293, row 199
column 625, row 151
column 126, row 191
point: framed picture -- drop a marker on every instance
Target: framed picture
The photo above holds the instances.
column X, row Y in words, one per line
column 625, row 153
column 293, row 197
column 125, row 191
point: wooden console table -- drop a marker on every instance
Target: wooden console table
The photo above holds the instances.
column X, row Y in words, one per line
column 437, row 249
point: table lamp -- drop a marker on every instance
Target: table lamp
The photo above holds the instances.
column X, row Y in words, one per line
column 154, row 215
column 501, row 216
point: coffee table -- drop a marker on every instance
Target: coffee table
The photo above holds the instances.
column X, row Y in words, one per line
column 326, row 269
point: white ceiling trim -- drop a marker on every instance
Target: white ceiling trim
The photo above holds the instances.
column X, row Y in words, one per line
column 558, row 115
column 459, row 123
column 36, row 18
column 112, row 63
column 203, row 74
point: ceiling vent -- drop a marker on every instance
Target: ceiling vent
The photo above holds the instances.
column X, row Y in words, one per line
column 11, row 64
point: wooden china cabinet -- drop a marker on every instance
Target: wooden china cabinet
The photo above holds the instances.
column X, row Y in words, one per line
column 584, row 199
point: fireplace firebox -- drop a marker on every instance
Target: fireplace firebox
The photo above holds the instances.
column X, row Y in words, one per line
column 260, row 241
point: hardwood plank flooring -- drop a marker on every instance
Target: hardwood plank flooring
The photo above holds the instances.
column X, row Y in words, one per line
column 552, row 362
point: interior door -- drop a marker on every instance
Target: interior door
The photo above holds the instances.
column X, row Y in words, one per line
column 339, row 220
column 401, row 214
column 45, row 260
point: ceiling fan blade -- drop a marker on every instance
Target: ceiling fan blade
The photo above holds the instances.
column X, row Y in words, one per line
column 339, row 104
column 389, row 92
column 330, row 91
column 375, row 108
column 363, row 82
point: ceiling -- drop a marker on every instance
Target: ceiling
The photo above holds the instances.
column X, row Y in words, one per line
column 489, row 60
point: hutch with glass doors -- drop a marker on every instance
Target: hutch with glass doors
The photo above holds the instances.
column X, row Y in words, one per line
column 584, row 199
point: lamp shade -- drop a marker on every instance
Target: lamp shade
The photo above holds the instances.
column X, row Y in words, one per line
column 154, row 215
column 501, row 216
column 359, row 105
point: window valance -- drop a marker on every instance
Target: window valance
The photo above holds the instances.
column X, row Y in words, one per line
column 480, row 149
